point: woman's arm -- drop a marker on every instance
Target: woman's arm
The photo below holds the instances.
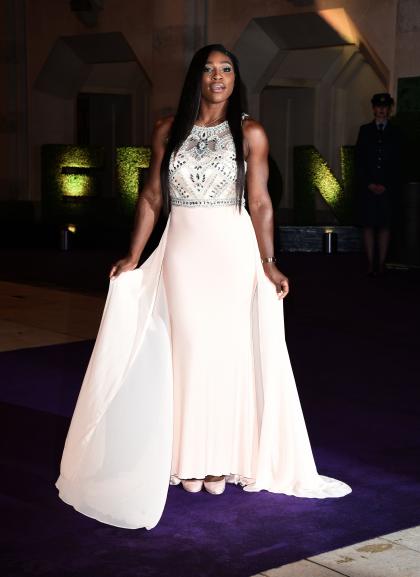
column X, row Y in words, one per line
column 260, row 207
column 149, row 203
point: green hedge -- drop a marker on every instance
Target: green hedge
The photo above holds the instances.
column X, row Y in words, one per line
column 408, row 121
column 312, row 175
column 73, row 185
column 131, row 164
column 70, row 183
column 348, row 184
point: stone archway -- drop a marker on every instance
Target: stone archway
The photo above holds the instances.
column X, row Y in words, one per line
column 309, row 79
column 102, row 64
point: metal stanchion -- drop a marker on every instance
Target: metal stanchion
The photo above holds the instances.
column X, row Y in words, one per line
column 329, row 241
column 66, row 235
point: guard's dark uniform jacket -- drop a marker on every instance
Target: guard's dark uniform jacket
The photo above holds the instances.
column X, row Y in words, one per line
column 378, row 155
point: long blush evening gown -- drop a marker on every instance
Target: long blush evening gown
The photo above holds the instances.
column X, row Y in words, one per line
column 190, row 374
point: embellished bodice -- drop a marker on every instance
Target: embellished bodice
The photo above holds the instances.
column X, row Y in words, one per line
column 203, row 172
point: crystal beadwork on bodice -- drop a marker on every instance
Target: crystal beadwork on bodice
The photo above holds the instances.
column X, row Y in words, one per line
column 203, row 172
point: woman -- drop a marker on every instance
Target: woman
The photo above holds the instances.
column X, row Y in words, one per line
column 190, row 379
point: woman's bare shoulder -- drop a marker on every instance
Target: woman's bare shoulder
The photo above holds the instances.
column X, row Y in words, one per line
column 254, row 132
column 162, row 129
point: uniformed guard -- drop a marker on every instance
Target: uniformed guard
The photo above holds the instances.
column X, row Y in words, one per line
column 378, row 175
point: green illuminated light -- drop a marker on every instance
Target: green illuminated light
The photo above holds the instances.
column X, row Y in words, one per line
column 76, row 185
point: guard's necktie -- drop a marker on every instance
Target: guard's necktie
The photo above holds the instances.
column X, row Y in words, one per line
column 380, row 127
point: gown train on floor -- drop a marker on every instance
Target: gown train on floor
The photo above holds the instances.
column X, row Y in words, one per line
column 117, row 460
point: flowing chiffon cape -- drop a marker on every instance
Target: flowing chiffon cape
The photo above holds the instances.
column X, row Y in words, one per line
column 116, row 462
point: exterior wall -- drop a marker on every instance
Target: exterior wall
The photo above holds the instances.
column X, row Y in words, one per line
column 13, row 99
column 376, row 20
column 47, row 20
column 7, row 117
column 407, row 57
column 154, row 31
column 162, row 34
column 386, row 37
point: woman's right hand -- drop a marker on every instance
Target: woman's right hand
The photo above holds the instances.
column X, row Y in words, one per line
column 122, row 265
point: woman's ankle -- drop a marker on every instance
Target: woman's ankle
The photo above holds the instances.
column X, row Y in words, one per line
column 213, row 478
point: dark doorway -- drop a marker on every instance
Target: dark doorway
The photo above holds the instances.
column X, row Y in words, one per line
column 105, row 120
column 287, row 112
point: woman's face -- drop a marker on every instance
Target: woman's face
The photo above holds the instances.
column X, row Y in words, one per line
column 218, row 78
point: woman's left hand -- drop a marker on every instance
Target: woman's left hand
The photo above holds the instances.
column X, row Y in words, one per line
column 280, row 281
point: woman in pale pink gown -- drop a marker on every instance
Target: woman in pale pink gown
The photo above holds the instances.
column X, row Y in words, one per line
column 190, row 379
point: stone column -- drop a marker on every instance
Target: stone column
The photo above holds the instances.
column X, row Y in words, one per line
column 196, row 14
column 13, row 116
column 179, row 29
column 169, row 45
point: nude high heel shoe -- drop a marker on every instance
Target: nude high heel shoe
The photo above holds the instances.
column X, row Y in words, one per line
column 192, row 485
column 215, row 487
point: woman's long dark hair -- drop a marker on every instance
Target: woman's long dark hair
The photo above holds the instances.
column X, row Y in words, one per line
column 187, row 113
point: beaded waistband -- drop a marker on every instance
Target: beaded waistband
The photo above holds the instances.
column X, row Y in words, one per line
column 191, row 203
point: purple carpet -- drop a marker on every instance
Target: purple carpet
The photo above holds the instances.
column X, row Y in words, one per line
column 354, row 348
